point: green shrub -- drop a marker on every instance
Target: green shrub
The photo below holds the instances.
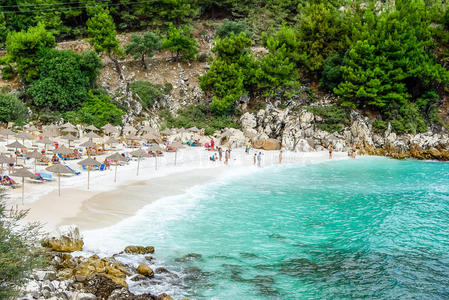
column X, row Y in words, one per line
column 24, row 48
column 380, row 126
column 65, row 79
column 17, row 253
column 12, row 109
column 199, row 116
column 228, row 28
column 334, row 117
column 97, row 110
column 331, row 74
column 180, row 42
column 149, row 93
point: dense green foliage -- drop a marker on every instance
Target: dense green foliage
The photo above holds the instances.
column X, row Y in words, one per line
column 143, row 45
column 149, row 93
column 333, row 117
column 232, row 72
column 12, row 109
column 227, row 28
column 65, row 79
column 199, row 116
column 97, row 110
column 17, row 255
column 180, row 42
column 24, row 48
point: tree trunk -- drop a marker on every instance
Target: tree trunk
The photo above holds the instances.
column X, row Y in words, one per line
column 117, row 66
column 143, row 62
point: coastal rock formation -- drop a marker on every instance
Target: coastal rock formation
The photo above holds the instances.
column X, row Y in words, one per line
column 267, row 144
column 139, row 250
column 145, row 270
column 295, row 129
column 64, row 239
column 77, row 277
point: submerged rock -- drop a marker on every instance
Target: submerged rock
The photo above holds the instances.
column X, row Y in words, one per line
column 64, row 239
column 145, row 270
column 139, row 250
column 189, row 257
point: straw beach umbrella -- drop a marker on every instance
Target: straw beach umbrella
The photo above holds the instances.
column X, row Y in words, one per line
column 139, row 154
column 116, row 157
column 22, row 173
column 92, row 127
column 177, row 145
column 63, row 150
column 87, row 145
column 24, row 136
column 6, row 160
column 36, row 155
column 111, row 141
column 7, row 133
column 108, row 128
column 46, row 141
column 89, row 162
column 69, row 138
column 154, row 148
column 59, row 169
column 69, row 129
column 92, row 135
column 15, row 145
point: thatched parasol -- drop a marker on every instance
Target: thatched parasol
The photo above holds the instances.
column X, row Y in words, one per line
column 69, row 129
column 50, row 133
column 63, row 150
column 69, row 138
column 89, row 162
column 59, row 169
column 92, row 127
column 36, row 155
column 15, row 145
column 177, row 145
column 24, row 136
column 92, row 135
column 6, row 160
column 112, row 140
column 139, row 154
column 154, row 148
column 88, row 144
column 6, row 132
column 22, row 173
column 108, row 128
column 116, row 157
column 68, row 125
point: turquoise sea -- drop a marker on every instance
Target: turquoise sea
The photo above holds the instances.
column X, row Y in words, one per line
column 371, row 228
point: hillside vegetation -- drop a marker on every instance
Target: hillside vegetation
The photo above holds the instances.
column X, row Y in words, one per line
column 388, row 59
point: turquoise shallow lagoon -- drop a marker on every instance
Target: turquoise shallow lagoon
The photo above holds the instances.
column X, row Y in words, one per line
column 368, row 228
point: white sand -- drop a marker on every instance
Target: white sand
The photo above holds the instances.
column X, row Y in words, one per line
column 106, row 203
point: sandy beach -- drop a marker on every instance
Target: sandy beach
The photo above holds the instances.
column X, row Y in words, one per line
column 106, row 203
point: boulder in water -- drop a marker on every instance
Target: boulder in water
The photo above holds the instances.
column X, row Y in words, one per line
column 145, row 270
column 64, row 239
column 139, row 250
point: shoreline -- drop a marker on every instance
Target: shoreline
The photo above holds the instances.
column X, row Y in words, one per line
column 107, row 203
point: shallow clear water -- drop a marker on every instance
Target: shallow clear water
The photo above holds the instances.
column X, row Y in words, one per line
column 366, row 228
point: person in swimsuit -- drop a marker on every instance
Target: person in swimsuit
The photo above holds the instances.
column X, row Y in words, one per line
column 331, row 149
column 255, row 158
column 280, row 157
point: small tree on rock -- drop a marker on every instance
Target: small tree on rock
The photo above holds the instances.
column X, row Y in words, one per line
column 141, row 45
column 179, row 41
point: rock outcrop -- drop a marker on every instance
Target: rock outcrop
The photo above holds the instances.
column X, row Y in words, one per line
column 64, row 239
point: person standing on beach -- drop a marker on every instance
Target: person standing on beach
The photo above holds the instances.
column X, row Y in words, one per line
column 220, row 153
column 353, row 151
column 331, row 149
column 226, row 157
column 255, row 158
column 259, row 159
column 212, row 144
column 280, row 157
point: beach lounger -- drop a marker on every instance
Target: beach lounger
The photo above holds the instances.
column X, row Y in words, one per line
column 74, row 171
column 102, row 167
column 37, row 179
column 47, row 176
